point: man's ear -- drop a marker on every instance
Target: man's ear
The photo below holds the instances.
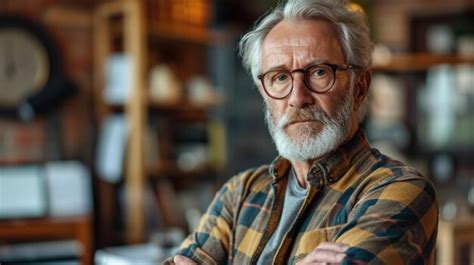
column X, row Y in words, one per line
column 361, row 89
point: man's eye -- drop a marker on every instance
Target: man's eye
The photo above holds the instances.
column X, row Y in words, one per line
column 281, row 77
column 319, row 72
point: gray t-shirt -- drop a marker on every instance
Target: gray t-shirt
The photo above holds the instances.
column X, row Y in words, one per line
column 294, row 197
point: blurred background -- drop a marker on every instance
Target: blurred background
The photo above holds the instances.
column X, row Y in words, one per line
column 119, row 120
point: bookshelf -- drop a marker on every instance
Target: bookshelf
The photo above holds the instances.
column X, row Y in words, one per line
column 412, row 72
column 147, row 41
column 418, row 72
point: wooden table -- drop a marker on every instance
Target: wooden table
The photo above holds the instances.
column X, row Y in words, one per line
column 78, row 228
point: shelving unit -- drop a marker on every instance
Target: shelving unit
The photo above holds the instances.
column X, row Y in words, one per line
column 172, row 121
column 411, row 69
column 193, row 34
column 141, row 40
column 415, row 68
column 134, row 47
column 412, row 62
column 77, row 228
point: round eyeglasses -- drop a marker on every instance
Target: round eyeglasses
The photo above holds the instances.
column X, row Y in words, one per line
column 319, row 78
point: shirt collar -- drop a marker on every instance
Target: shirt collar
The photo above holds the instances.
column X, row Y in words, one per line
column 329, row 169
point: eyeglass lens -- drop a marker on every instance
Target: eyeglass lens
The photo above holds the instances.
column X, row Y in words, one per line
column 318, row 78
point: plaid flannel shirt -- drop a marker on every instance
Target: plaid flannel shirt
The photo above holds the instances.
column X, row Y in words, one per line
column 385, row 211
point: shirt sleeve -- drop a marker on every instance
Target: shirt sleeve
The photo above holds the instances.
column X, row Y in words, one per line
column 393, row 222
column 210, row 242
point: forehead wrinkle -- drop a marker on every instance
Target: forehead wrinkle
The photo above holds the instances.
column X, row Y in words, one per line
column 287, row 44
column 288, row 40
column 294, row 55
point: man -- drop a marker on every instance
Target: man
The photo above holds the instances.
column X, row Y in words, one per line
column 329, row 197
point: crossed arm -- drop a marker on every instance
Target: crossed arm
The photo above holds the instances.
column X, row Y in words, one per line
column 393, row 223
column 326, row 252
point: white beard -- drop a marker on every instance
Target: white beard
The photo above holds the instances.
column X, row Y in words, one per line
column 309, row 143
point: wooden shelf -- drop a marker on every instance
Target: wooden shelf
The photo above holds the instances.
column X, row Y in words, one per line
column 79, row 228
column 188, row 33
column 183, row 106
column 181, row 32
column 419, row 62
column 179, row 106
column 183, row 110
column 169, row 168
column 456, row 151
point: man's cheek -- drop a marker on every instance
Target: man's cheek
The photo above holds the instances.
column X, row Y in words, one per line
column 271, row 113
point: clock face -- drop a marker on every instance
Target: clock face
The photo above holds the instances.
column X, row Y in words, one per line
column 24, row 65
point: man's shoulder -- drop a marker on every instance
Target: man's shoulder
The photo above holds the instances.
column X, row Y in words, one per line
column 385, row 169
column 384, row 164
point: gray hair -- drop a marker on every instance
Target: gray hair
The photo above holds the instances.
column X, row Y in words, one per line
column 352, row 28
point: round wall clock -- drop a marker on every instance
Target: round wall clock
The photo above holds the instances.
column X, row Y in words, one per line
column 28, row 65
column 24, row 65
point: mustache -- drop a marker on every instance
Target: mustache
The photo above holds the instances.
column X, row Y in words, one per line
column 293, row 115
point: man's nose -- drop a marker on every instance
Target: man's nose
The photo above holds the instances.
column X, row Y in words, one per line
column 301, row 96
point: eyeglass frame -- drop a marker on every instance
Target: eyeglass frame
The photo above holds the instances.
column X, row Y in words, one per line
column 334, row 68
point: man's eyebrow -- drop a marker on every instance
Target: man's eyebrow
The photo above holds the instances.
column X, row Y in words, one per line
column 319, row 61
column 283, row 67
column 277, row 67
